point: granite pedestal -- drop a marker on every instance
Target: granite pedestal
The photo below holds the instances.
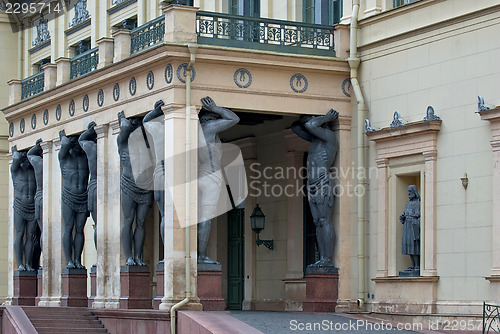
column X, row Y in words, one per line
column 134, row 283
column 160, row 288
column 93, row 286
column 25, row 290
column 39, row 286
column 322, row 289
column 210, row 287
column 74, row 287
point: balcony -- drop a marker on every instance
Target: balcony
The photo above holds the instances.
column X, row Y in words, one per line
column 147, row 35
column 32, row 85
column 264, row 34
column 84, row 63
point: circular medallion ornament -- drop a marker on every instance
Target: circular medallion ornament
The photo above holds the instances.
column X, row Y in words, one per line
column 85, row 103
column 298, row 83
column 182, row 76
column 150, row 80
column 22, row 125
column 116, row 92
column 132, row 86
column 242, row 78
column 45, row 117
column 100, row 98
column 33, row 121
column 11, row 129
column 71, row 108
column 169, row 73
column 348, row 83
column 58, row 112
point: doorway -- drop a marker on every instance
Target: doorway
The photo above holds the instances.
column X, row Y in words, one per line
column 235, row 258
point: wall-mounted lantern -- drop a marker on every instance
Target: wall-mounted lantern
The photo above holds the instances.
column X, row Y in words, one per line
column 258, row 222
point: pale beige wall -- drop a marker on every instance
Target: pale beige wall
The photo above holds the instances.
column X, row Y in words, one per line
column 9, row 52
column 445, row 66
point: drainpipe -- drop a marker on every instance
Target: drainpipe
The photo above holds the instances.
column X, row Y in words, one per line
column 189, row 72
column 354, row 64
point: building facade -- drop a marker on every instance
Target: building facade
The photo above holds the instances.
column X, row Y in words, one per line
column 272, row 61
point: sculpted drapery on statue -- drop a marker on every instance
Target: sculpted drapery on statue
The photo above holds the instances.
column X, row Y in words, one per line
column 213, row 120
column 136, row 200
column 411, row 232
column 23, row 179
column 75, row 175
column 320, row 158
column 35, row 157
column 88, row 142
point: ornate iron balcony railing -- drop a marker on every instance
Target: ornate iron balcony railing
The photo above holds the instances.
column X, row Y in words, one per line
column 260, row 33
column 147, row 35
column 84, row 63
column 491, row 318
column 32, row 85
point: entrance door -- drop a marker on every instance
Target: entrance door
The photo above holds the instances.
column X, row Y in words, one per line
column 235, row 257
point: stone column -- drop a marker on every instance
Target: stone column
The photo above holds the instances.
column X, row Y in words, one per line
column 10, row 238
column 14, row 91
column 382, row 260
column 63, row 70
column 180, row 23
column 495, row 256
column 106, row 50
column 50, row 76
column 428, row 260
column 176, row 208
column 53, row 261
column 121, row 45
column 108, row 218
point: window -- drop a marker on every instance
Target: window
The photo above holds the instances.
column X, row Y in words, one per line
column 244, row 7
column 398, row 3
column 325, row 12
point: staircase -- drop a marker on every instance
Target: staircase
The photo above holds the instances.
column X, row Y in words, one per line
column 73, row 320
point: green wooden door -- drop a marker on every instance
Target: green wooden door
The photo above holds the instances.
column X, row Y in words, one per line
column 235, row 257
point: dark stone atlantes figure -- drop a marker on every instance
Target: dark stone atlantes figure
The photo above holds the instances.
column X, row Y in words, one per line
column 136, row 201
column 321, row 155
column 88, row 142
column 213, row 119
column 35, row 157
column 154, row 122
column 411, row 232
column 23, row 179
column 75, row 175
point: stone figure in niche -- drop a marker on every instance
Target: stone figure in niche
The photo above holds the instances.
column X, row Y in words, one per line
column 136, row 200
column 213, row 120
column 42, row 31
column 320, row 158
column 75, row 175
column 88, row 142
column 35, row 157
column 411, row 232
column 81, row 12
column 23, row 179
column 154, row 124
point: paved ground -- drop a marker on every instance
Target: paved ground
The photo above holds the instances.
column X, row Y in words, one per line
column 312, row 323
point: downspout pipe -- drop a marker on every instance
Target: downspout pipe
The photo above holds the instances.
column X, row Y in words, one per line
column 354, row 64
column 173, row 310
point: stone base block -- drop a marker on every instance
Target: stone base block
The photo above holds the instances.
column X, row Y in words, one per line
column 405, row 295
column 39, row 286
column 93, row 286
column 210, row 290
column 74, row 287
column 160, row 288
column 322, row 290
column 25, row 288
column 134, row 283
column 410, row 273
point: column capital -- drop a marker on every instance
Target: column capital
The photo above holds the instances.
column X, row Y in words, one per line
column 430, row 155
column 382, row 162
column 46, row 147
column 102, row 131
column 495, row 144
column 115, row 126
column 56, row 144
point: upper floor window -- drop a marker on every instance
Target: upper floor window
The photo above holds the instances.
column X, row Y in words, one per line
column 397, row 3
column 325, row 12
column 244, row 7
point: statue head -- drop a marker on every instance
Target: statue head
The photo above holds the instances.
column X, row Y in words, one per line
column 24, row 160
column 135, row 121
column 413, row 192
column 205, row 116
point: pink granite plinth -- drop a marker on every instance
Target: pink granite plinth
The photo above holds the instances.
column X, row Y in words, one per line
column 160, row 288
column 93, row 285
column 210, row 289
column 322, row 291
column 74, row 287
column 24, row 288
column 134, row 283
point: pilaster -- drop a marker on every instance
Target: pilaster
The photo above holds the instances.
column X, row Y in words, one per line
column 180, row 23
column 14, row 91
column 106, row 50
column 121, row 45
column 50, row 76
column 63, row 70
